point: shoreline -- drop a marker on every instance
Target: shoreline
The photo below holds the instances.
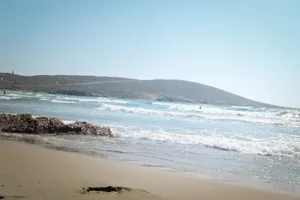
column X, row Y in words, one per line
column 204, row 174
column 159, row 183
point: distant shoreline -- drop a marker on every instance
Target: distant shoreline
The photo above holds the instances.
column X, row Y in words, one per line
column 124, row 88
column 160, row 99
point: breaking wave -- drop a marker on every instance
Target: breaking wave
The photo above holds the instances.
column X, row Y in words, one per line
column 212, row 113
column 288, row 146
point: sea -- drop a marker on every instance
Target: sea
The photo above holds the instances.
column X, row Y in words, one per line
column 253, row 146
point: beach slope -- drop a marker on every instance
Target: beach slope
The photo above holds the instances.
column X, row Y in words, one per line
column 31, row 172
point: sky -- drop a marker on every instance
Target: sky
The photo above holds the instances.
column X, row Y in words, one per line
column 250, row 48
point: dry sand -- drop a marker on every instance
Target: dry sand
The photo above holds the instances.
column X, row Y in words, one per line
column 32, row 172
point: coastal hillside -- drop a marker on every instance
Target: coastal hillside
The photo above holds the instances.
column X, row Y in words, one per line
column 160, row 90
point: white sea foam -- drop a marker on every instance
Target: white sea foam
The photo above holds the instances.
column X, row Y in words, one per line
column 182, row 107
column 68, row 121
column 5, row 98
column 45, row 99
column 161, row 103
column 15, row 97
column 289, row 145
column 92, row 100
column 117, row 101
column 19, row 96
column 60, row 101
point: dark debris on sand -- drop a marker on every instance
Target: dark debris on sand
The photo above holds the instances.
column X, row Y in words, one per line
column 105, row 189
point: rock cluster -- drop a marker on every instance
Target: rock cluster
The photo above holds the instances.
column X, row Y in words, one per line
column 27, row 124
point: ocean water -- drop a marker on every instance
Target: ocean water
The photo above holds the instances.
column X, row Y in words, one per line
column 244, row 145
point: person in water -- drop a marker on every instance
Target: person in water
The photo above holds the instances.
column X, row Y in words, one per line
column 199, row 107
column 4, row 92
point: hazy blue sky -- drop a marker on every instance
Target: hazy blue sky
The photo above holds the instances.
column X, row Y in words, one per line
column 251, row 48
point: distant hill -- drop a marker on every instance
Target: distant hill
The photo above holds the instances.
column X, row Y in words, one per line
column 160, row 90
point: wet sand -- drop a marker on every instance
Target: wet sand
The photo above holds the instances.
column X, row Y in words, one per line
column 31, row 172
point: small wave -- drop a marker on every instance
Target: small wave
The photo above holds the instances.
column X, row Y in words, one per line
column 135, row 110
column 45, row 99
column 5, row 98
column 110, row 107
column 91, row 100
column 59, row 101
column 161, row 103
column 242, row 108
column 189, row 108
column 117, row 101
column 19, row 96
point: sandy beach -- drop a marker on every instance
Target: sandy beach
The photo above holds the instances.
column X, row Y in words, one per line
column 32, row 172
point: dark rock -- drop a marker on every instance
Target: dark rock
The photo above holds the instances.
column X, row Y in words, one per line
column 25, row 123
